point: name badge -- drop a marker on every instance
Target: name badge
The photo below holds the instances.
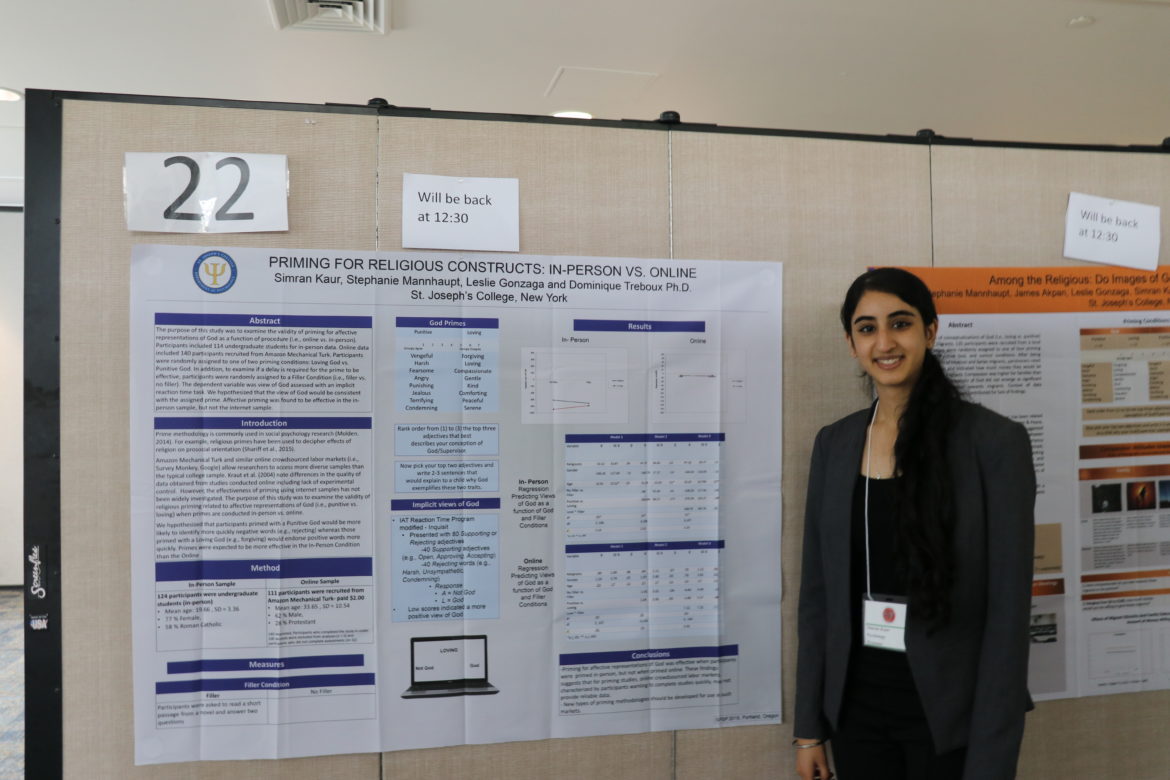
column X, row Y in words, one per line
column 883, row 624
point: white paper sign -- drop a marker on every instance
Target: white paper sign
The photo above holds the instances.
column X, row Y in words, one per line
column 206, row 192
column 453, row 212
column 1117, row 232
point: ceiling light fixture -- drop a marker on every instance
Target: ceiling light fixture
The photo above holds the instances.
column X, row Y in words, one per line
column 572, row 115
column 11, row 95
column 1081, row 21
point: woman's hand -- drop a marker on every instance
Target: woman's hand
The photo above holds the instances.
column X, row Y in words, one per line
column 812, row 763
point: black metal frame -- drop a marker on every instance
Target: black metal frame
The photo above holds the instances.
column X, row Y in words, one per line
column 42, row 315
column 42, row 437
column 668, row 121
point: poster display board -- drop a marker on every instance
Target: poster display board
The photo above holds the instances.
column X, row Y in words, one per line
column 399, row 500
column 1081, row 356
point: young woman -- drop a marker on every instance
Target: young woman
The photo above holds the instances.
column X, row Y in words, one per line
column 917, row 566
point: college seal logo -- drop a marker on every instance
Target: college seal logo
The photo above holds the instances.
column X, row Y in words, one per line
column 888, row 614
column 214, row 272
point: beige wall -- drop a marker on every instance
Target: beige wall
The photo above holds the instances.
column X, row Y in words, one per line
column 826, row 208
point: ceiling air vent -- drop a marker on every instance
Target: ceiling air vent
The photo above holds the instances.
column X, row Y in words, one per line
column 336, row 15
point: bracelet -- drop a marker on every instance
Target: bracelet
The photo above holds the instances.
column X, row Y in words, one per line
column 818, row 743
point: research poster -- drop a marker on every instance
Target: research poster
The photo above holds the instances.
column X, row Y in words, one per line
column 388, row 500
column 1081, row 356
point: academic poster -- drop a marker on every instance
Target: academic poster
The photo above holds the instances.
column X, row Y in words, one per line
column 387, row 500
column 1081, row 356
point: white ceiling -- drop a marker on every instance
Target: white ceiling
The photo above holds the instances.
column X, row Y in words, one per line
column 1010, row 70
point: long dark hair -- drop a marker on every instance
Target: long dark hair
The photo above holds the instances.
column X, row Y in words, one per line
column 925, row 504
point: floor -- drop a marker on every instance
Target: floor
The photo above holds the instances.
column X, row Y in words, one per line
column 11, row 684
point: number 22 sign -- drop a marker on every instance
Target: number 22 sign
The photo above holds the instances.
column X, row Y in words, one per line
column 206, row 192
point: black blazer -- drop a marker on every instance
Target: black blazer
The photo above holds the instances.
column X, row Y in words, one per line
column 971, row 674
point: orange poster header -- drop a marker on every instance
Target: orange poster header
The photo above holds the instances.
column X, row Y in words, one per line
column 1126, row 594
column 1123, row 472
column 1135, row 449
column 1027, row 290
column 1121, row 576
column 1121, row 331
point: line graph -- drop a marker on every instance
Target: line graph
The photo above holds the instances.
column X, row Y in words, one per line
column 699, row 386
column 579, row 385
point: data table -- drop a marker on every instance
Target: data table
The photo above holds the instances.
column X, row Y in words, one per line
column 642, row 535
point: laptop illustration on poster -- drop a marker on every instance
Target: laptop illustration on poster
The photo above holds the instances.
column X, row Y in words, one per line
column 448, row 666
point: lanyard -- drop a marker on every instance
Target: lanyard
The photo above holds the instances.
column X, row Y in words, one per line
column 868, row 462
column 883, row 620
